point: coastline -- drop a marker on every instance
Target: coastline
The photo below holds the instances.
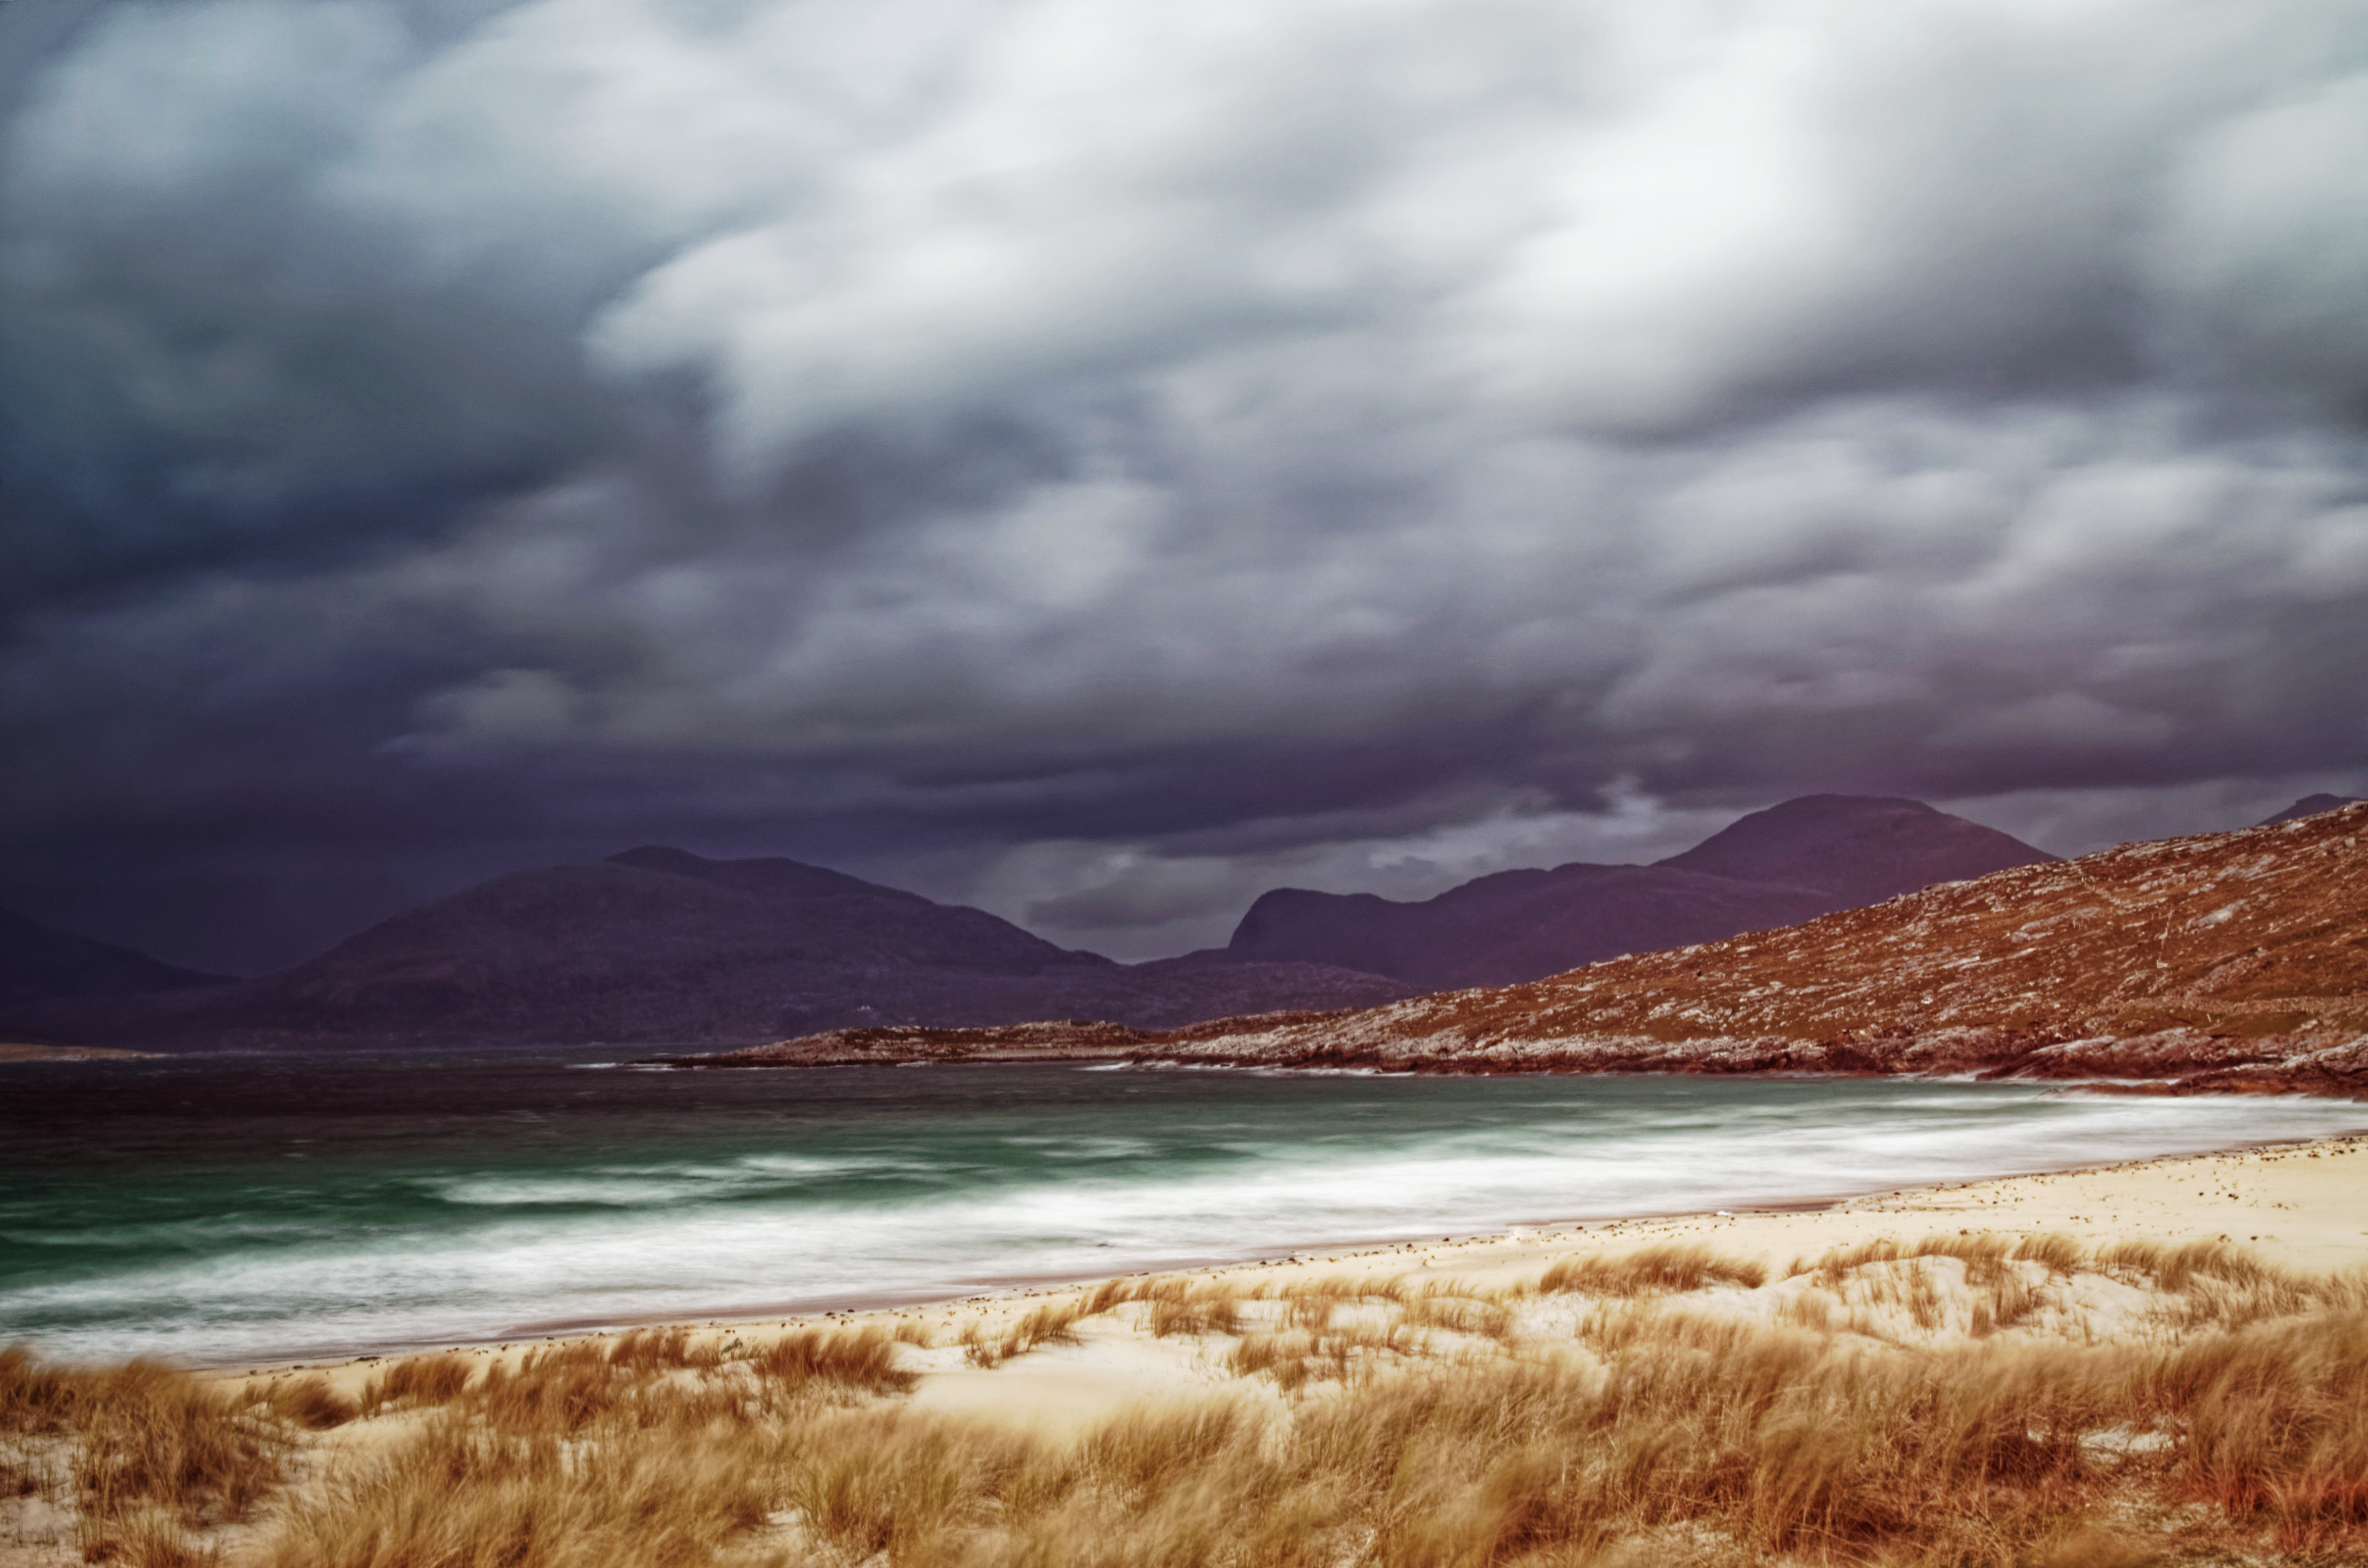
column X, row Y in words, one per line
column 13, row 1054
column 2301, row 1205
column 2145, row 1315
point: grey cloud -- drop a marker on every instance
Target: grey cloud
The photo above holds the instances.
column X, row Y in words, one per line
column 2264, row 244
column 1101, row 459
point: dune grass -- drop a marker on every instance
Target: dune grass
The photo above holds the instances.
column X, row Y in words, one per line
column 150, row 1456
column 1961, row 1400
column 1652, row 1271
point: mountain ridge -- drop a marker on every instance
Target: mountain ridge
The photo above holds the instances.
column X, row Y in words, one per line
column 40, row 964
column 1791, row 862
column 2220, row 962
column 657, row 944
column 2308, row 806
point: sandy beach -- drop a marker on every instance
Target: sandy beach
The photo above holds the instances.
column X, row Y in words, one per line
column 2167, row 1317
column 2299, row 1205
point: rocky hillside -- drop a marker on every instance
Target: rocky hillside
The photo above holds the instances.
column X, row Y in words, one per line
column 1779, row 867
column 2224, row 961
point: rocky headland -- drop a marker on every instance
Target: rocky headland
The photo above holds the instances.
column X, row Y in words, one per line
column 2215, row 963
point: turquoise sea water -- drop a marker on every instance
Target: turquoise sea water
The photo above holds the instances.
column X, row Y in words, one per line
column 257, row 1207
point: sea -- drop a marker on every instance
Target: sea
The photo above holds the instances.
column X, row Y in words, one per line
column 238, row 1209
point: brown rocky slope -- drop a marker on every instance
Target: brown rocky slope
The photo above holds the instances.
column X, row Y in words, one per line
column 2222, row 962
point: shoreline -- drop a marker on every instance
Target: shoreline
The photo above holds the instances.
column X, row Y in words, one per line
column 1924, row 1334
column 2321, row 1214
column 16, row 1053
column 2248, row 1077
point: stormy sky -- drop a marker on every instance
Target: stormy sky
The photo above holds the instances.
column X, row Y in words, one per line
column 1098, row 460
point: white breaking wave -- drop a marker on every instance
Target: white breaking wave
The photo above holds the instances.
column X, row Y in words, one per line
column 625, row 1241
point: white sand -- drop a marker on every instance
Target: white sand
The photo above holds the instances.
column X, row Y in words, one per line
column 2302, row 1206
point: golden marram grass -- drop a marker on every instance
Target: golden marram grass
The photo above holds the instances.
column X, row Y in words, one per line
column 1960, row 1400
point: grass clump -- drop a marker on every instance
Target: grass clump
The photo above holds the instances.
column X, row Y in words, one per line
column 308, row 1402
column 462, row 1495
column 857, row 1359
column 417, row 1380
column 2275, row 1424
column 1655, row 1270
column 1052, row 1323
column 150, row 1454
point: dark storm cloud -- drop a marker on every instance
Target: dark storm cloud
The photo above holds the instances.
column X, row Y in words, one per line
column 1104, row 461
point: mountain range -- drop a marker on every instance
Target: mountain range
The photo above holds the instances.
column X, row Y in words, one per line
column 660, row 946
column 1790, row 863
column 2222, row 962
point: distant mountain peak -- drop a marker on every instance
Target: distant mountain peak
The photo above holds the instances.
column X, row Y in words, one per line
column 658, row 944
column 766, row 877
column 1860, row 848
column 2309, row 806
column 1791, row 862
column 662, row 858
column 40, row 965
column 2225, row 962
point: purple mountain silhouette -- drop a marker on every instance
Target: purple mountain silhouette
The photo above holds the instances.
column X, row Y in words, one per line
column 1790, row 863
column 40, row 965
column 2308, row 806
column 658, row 945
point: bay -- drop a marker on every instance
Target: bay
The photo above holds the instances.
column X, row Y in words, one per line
column 228, row 1209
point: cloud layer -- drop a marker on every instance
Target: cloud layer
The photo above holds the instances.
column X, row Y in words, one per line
column 1100, row 460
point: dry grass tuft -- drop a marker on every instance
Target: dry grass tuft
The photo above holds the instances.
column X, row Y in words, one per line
column 1055, row 1323
column 2059, row 1255
column 1457, row 1312
column 1293, row 1358
column 472, row 1498
column 152, row 1454
column 1207, row 1314
column 664, row 1347
column 145, row 1540
column 308, row 1402
column 150, row 1435
column 1052, row 1323
column 1344, row 1287
column 862, row 1360
column 560, row 1388
column 1655, row 1270
column 2276, row 1427
column 1179, row 1303
column 420, row 1380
